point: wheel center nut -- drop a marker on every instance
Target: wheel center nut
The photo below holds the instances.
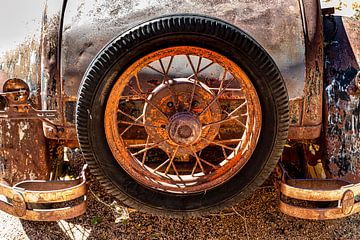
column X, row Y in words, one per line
column 184, row 128
column 184, row 131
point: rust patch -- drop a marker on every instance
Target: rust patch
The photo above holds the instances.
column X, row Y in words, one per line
column 342, row 126
column 18, row 156
column 313, row 89
column 295, row 107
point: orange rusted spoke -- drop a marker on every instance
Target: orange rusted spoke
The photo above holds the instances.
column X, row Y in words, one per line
column 215, row 97
column 224, row 152
column 194, row 168
column 204, row 68
column 176, row 171
column 230, row 141
column 207, row 66
column 148, row 148
column 221, row 121
column 192, row 66
column 162, row 67
column 228, row 90
column 171, row 160
column 149, row 102
column 237, row 108
column 170, row 62
column 161, row 165
column 134, row 97
column 208, row 163
column 222, row 148
column 126, row 129
column 219, row 144
column 222, row 81
column 138, row 82
column 139, row 145
column 139, row 124
column 198, row 160
column 195, row 80
column 237, row 120
column 198, row 66
column 145, row 153
column 155, row 69
column 127, row 115
column 240, row 122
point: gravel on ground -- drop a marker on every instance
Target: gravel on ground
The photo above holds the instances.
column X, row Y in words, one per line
column 258, row 217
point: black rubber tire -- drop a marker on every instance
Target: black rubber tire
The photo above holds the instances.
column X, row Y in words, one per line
column 168, row 31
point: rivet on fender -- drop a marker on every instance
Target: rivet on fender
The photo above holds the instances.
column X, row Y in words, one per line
column 347, row 202
column 19, row 204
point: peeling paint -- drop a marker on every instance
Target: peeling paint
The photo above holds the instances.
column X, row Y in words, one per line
column 97, row 22
column 342, row 128
column 23, row 126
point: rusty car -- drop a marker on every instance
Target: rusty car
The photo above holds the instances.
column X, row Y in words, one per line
column 180, row 108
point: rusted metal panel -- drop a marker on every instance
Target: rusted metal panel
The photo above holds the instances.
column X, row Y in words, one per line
column 313, row 89
column 89, row 25
column 311, row 115
column 19, row 159
column 28, row 59
column 342, row 131
column 34, row 58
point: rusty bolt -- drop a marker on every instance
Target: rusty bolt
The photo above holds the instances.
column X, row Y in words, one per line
column 347, row 202
column 19, row 204
column 195, row 103
column 170, row 104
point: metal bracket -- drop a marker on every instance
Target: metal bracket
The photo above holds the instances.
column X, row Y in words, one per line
column 26, row 194
column 26, row 111
column 16, row 95
column 313, row 192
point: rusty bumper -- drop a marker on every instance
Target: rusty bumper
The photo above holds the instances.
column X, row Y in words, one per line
column 302, row 198
column 40, row 200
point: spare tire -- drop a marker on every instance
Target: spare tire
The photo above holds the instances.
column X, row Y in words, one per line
column 182, row 115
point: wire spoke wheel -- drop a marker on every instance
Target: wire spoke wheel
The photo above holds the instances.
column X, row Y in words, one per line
column 182, row 119
column 182, row 115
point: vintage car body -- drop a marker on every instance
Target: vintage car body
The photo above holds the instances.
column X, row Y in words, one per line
column 67, row 35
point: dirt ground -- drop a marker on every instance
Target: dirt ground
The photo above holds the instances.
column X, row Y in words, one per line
column 256, row 218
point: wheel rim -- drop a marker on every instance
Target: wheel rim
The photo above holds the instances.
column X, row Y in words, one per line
column 182, row 119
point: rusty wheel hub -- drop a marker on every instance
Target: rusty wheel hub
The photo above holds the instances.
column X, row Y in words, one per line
column 187, row 119
column 184, row 128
